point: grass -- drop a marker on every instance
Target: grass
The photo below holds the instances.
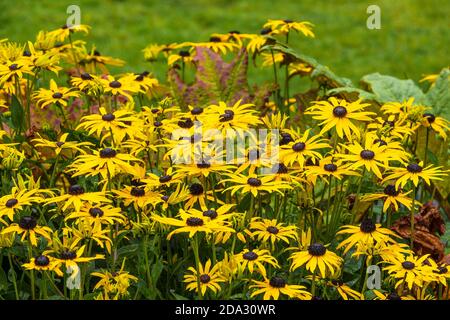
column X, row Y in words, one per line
column 413, row 40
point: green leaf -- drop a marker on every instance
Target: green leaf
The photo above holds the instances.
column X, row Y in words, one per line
column 3, row 280
column 363, row 94
column 178, row 296
column 156, row 271
column 390, row 89
column 17, row 114
column 438, row 96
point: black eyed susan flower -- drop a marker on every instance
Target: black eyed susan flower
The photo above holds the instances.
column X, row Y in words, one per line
column 171, row 198
column 167, row 179
column 214, row 44
column 316, row 257
column 84, row 230
column 197, row 194
column 393, row 126
column 184, row 56
column 301, row 148
column 389, row 296
column 122, row 86
column 270, row 230
column 410, row 270
column 64, row 31
column 254, row 260
column 88, row 83
column 43, row 263
column 364, row 233
column 328, row 168
column 209, row 278
column 277, row 286
column 98, row 214
column 107, row 162
column 28, row 228
column 139, row 196
column 372, row 157
column 438, row 124
column 93, row 59
column 17, row 201
column 286, row 25
column 152, row 51
column 193, row 222
column 344, row 290
column 391, row 197
column 340, row 114
column 70, row 257
column 254, row 184
column 117, row 124
column 386, row 251
column 76, row 196
column 144, row 80
column 54, row 95
column 413, row 172
column 10, row 70
column 61, row 145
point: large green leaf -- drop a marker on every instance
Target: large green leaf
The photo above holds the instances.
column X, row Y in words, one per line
column 389, row 89
column 438, row 97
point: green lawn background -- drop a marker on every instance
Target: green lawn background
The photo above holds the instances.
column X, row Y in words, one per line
column 413, row 40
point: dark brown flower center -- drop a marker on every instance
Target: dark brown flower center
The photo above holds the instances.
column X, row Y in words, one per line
column 115, row 84
column 367, row 154
column 108, row 117
column 59, row 144
column 204, row 278
column 272, row 229
column 42, row 261
column 250, row 255
column 13, row 67
column 265, row 31
column 254, row 182
column 76, row 190
column 194, row 222
column 430, row 117
column 212, row 214
column 184, row 53
column 196, row 111
column 380, row 142
column 96, row 212
column 277, row 282
column 165, row 178
column 285, row 138
column 228, row 115
column 340, row 112
column 203, row 165
column 57, row 95
column 393, row 296
column 196, row 189
column 165, row 198
column 414, row 168
column 68, row 255
column 185, row 123
column 86, row 76
column 28, row 223
column 389, row 124
column 137, row 192
column 299, row 146
column 408, row 265
column 367, row 226
column 317, row 249
column 280, row 168
column 390, row 190
column 330, row 167
column 108, row 153
column 11, row 203
column 157, row 123
column 214, row 39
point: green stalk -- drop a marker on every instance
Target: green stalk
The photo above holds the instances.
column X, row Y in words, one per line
column 16, row 291
column 413, row 211
column 197, row 264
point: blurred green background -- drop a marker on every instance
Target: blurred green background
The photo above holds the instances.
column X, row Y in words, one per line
column 413, row 40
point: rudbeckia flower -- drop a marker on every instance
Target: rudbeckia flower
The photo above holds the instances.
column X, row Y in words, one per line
column 88, row 83
column 340, row 114
column 413, row 172
column 139, row 196
column 301, row 148
column 123, row 86
column 64, row 32
column 255, row 260
column 197, row 194
column 284, row 26
column 17, row 200
column 54, row 95
column 365, row 233
column 438, row 124
column 254, row 184
column 328, row 168
column 276, row 286
column 76, row 196
column 391, row 197
column 410, row 270
column 114, row 284
column 192, row 222
column 28, row 227
column 392, row 127
column 270, row 230
column 43, row 263
column 72, row 256
column 14, row 69
column 107, row 162
column 61, row 144
column 209, row 278
column 98, row 214
column 317, row 256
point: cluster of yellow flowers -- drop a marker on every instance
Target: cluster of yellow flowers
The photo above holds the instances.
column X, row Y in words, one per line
column 220, row 199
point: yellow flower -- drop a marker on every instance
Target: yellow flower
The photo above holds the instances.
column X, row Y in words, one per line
column 76, row 196
column 123, row 86
column 255, row 259
column 276, row 286
column 63, row 33
column 17, row 200
column 317, row 256
column 438, row 124
column 209, row 278
column 391, row 197
column 54, row 95
column 285, row 26
column 61, row 144
column 28, row 227
column 266, row 229
column 43, row 263
column 412, row 172
column 254, row 184
column 340, row 114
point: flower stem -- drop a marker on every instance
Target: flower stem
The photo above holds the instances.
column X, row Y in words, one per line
column 197, row 264
column 16, row 291
column 413, row 211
